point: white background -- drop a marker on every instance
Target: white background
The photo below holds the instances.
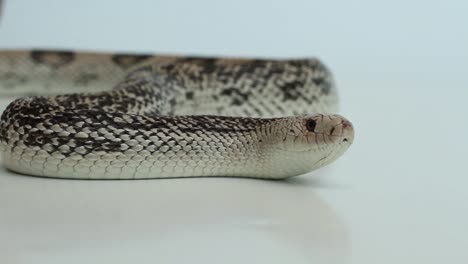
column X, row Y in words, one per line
column 399, row 195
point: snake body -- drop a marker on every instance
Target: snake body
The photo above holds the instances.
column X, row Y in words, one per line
column 142, row 116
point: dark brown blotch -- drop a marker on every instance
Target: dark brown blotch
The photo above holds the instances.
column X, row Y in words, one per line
column 127, row 60
column 53, row 59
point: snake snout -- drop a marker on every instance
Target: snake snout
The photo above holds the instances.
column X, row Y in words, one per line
column 347, row 132
column 337, row 129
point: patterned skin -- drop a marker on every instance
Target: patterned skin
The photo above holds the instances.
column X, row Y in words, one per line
column 159, row 117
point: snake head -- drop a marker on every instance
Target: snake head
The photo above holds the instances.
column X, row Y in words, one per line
column 310, row 142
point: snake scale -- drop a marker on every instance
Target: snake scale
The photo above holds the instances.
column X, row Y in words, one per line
column 123, row 116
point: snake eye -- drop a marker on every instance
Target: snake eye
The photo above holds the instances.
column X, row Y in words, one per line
column 311, row 123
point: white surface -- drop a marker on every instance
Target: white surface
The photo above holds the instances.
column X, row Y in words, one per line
column 397, row 196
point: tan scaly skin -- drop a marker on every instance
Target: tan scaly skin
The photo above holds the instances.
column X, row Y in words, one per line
column 141, row 116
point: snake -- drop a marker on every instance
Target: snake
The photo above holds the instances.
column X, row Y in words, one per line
column 96, row 115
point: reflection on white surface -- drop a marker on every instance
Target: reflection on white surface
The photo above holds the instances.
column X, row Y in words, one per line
column 222, row 220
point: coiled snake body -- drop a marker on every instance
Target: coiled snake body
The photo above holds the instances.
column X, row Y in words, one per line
column 167, row 116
